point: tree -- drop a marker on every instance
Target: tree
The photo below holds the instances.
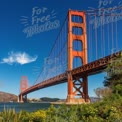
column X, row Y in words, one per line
column 102, row 92
column 113, row 79
column 97, row 92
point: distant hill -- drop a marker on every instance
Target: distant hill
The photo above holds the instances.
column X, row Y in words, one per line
column 43, row 99
column 47, row 99
column 7, row 97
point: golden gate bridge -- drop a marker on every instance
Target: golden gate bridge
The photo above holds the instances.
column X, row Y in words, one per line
column 85, row 45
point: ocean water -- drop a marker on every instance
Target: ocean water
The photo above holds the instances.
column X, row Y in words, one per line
column 24, row 106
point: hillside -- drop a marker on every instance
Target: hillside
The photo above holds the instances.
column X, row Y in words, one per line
column 7, row 97
column 47, row 99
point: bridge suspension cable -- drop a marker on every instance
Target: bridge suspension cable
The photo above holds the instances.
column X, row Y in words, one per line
column 102, row 38
column 56, row 62
column 103, row 32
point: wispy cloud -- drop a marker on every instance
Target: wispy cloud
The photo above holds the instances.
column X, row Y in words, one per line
column 18, row 57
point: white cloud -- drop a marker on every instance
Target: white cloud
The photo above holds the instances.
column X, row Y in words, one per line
column 18, row 57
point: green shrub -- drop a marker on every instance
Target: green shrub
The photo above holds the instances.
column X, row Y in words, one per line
column 24, row 116
column 38, row 116
column 8, row 115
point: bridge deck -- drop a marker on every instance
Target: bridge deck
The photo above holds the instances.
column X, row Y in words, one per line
column 88, row 69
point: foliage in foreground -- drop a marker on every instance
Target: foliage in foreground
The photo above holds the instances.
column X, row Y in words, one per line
column 114, row 75
column 107, row 110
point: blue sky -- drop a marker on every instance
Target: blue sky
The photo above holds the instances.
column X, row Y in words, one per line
column 24, row 56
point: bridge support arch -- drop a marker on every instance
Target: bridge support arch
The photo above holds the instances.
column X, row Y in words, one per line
column 21, row 100
column 77, row 86
column 23, row 87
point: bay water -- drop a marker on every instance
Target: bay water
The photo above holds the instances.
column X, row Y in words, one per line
column 30, row 107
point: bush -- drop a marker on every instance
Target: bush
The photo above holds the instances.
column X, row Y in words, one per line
column 8, row 115
column 24, row 116
column 38, row 116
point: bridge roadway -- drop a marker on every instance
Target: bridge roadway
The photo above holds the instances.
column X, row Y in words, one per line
column 87, row 69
